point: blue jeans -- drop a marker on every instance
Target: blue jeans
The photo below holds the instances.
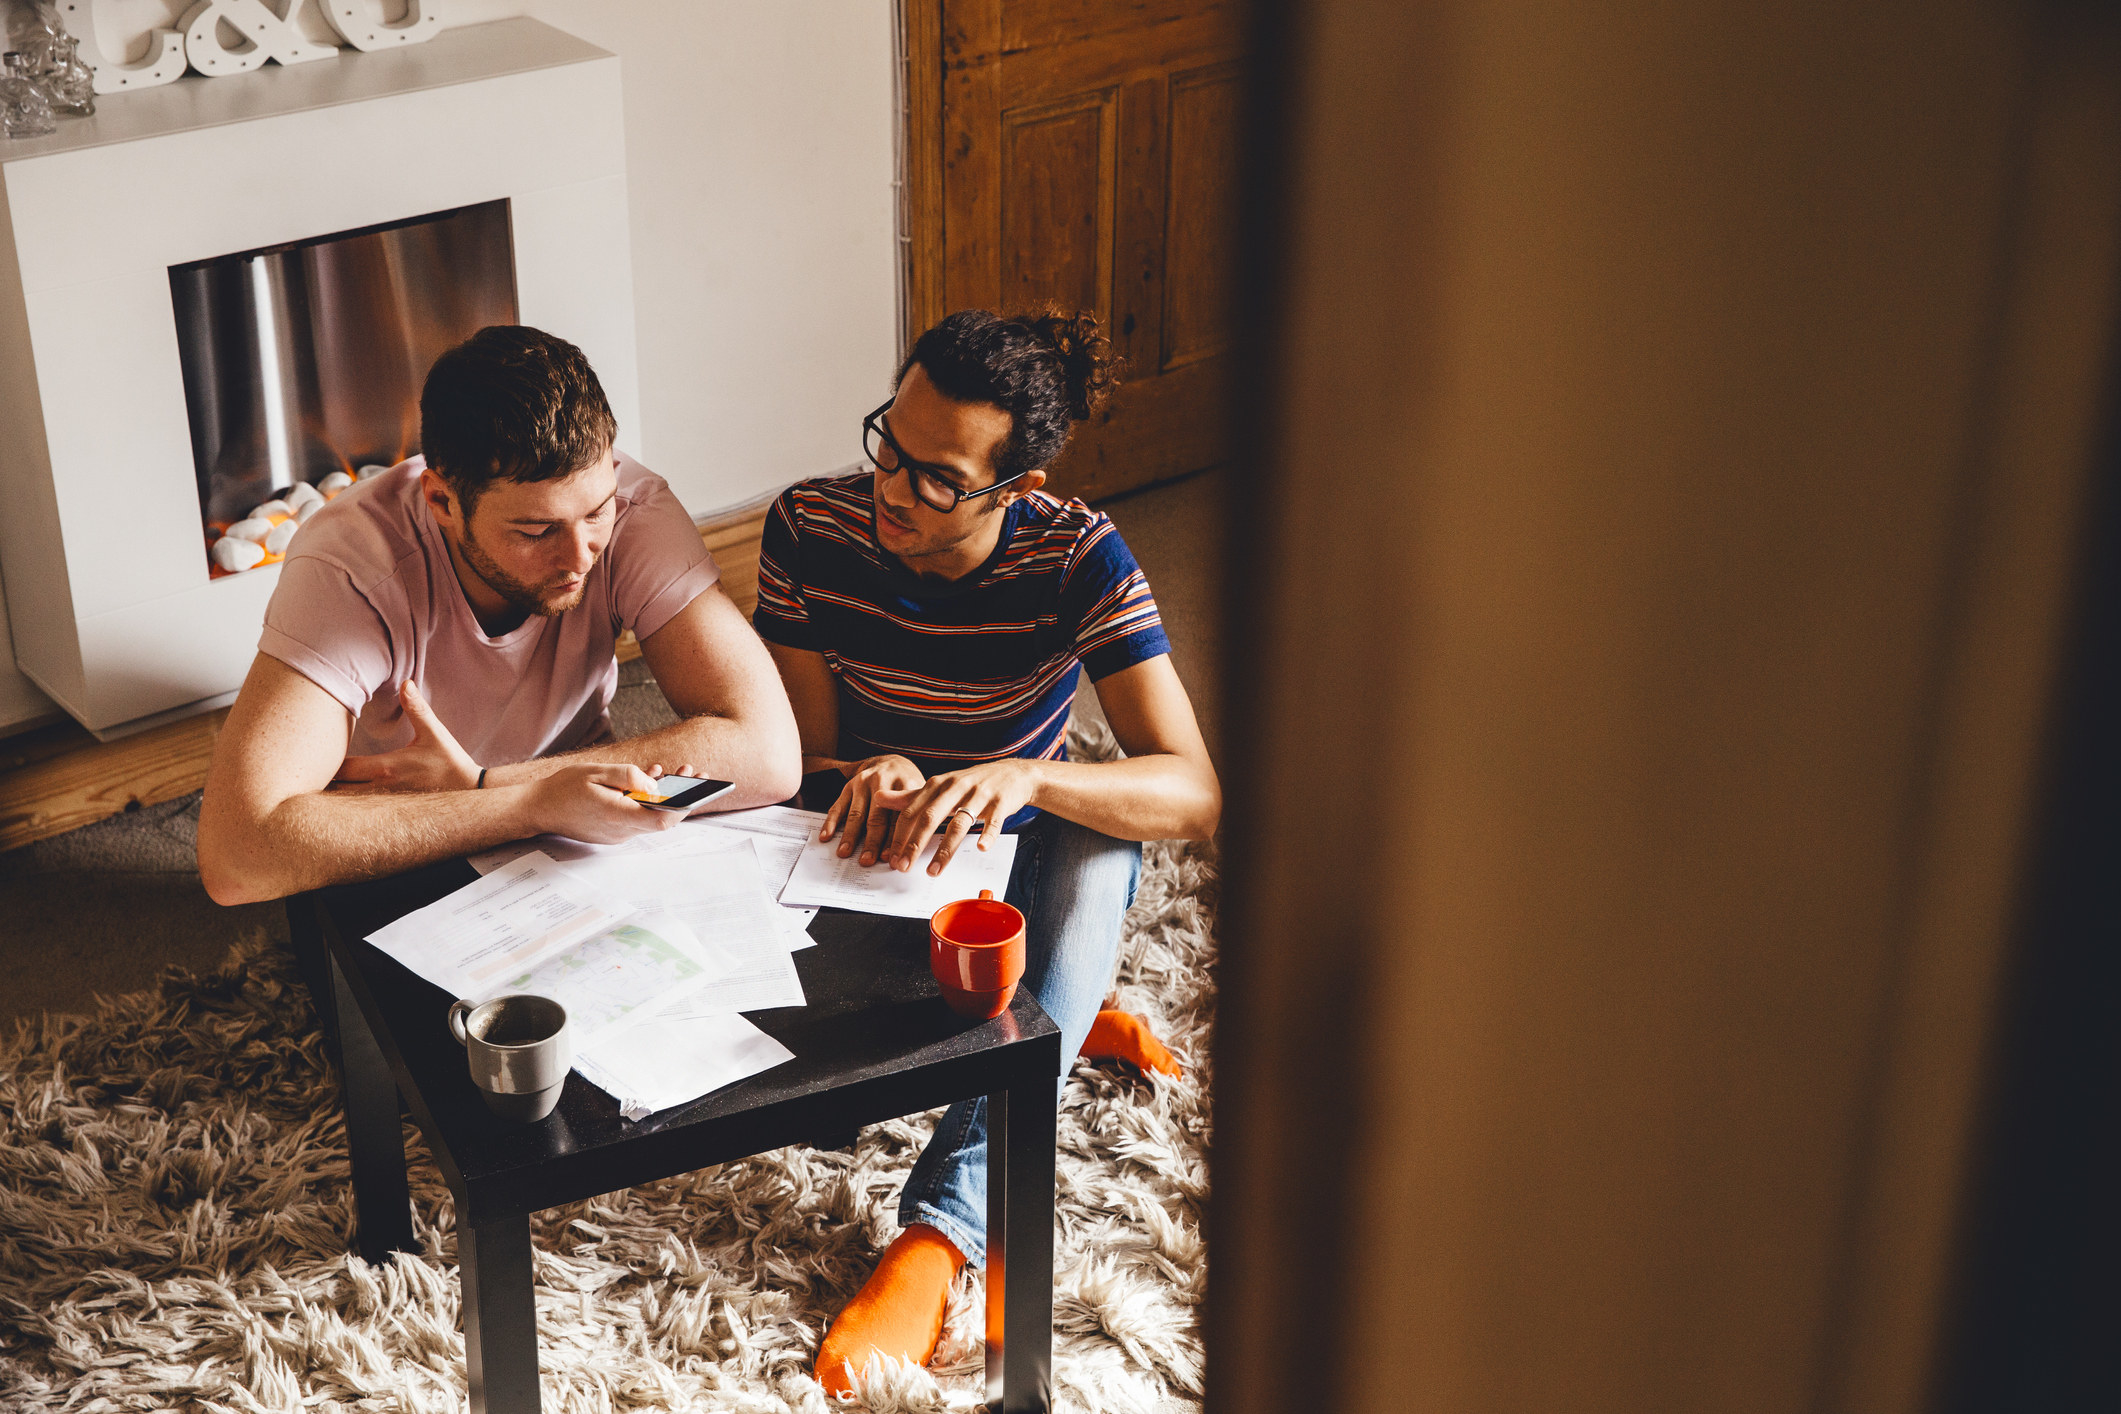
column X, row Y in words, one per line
column 1073, row 886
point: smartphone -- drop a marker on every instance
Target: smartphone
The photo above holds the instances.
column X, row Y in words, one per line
column 681, row 793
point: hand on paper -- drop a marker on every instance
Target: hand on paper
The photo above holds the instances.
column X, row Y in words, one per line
column 989, row 793
column 589, row 803
column 432, row 761
column 856, row 817
column 821, row 878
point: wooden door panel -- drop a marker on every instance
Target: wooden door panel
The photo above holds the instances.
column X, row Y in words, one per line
column 1036, row 24
column 1046, row 74
column 972, row 189
column 1082, row 152
column 1156, row 428
column 1057, row 204
column 1200, row 239
column 1137, row 324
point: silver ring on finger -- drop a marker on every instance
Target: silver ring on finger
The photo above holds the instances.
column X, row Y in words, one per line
column 970, row 818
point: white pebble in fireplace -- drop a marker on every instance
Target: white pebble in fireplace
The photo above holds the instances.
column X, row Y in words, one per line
column 119, row 610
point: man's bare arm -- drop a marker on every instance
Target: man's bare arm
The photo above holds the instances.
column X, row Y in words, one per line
column 268, row 827
column 734, row 720
column 814, row 696
column 1165, row 788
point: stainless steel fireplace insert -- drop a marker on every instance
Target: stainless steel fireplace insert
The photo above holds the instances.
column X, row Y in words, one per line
column 304, row 360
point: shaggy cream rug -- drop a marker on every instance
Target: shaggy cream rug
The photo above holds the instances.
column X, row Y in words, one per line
column 175, row 1212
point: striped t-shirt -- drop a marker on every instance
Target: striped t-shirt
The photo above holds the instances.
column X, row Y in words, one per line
column 951, row 674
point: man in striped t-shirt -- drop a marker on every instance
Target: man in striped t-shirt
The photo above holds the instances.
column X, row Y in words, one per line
column 931, row 619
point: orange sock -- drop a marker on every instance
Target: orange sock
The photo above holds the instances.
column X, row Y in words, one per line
column 898, row 1311
column 994, row 1300
column 1121, row 1035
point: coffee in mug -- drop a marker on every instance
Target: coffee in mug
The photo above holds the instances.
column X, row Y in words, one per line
column 520, row 1052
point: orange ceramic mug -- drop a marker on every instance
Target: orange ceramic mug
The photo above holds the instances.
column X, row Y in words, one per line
column 976, row 950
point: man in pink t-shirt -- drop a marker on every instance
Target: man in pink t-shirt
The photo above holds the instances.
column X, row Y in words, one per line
column 437, row 661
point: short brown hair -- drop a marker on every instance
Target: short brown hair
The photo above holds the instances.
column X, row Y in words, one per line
column 512, row 403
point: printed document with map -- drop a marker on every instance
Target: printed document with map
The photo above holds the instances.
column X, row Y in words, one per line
column 531, row 926
column 614, row 945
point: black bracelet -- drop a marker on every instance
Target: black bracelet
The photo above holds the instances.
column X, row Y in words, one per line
column 482, row 779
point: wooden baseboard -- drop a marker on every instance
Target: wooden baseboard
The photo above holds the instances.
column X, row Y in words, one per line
column 58, row 778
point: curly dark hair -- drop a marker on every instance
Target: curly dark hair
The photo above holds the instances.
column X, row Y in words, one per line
column 1047, row 370
column 512, row 403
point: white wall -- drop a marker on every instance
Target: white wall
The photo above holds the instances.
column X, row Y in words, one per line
column 759, row 168
column 759, row 142
column 22, row 702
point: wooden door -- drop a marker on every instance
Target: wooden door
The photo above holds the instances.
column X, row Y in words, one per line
column 1083, row 152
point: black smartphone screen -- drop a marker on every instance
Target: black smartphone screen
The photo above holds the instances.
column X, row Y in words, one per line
column 681, row 792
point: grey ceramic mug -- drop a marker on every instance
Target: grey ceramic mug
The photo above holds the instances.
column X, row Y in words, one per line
column 520, row 1052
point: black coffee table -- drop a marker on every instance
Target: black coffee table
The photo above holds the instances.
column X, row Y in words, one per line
column 875, row 1041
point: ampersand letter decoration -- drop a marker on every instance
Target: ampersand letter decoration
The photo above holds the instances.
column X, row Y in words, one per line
column 165, row 53
column 361, row 24
column 267, row 36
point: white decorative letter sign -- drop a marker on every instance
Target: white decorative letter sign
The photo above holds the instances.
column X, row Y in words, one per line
column 357, row 21
column 223, row 37
column 165, row 53
column 267, row 36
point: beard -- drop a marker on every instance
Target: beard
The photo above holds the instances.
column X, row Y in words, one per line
column 527, row 598
column 935, row 543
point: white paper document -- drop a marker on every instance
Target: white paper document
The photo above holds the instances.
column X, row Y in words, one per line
column 780, row 833
column 821, row 877
column 721, row 893
column 729, row 901
column 532, row 927
column 504, row 924
column 656, row 1065
column 650, row 954
column 693, row 1043
column 619, row 975
column 781, row 822
column 713, row 883
column 558, row 848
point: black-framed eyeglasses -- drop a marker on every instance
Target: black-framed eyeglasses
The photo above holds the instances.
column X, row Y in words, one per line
column 931, row 483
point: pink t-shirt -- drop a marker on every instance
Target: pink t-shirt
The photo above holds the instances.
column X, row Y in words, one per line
column 368, row 599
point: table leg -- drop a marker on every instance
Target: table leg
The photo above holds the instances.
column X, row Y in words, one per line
column 375, row 1143
column 500, row 1316
column 1020, row 1140
column 305, row 938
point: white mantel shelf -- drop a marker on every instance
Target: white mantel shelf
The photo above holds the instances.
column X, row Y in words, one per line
column 195, row 102
column 113, row 612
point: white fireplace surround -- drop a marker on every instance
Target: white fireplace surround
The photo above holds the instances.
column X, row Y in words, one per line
column 107, row 590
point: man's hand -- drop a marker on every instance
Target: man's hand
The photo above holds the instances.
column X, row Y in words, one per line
column 855, row 816
column 988, row 793
column 589, row 803
column 432, row 761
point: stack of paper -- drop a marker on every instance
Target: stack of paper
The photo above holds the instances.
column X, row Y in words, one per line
column 778, row 832
column 617, row 941
column 532, row 927
column 821, row 877
column 654, row 946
